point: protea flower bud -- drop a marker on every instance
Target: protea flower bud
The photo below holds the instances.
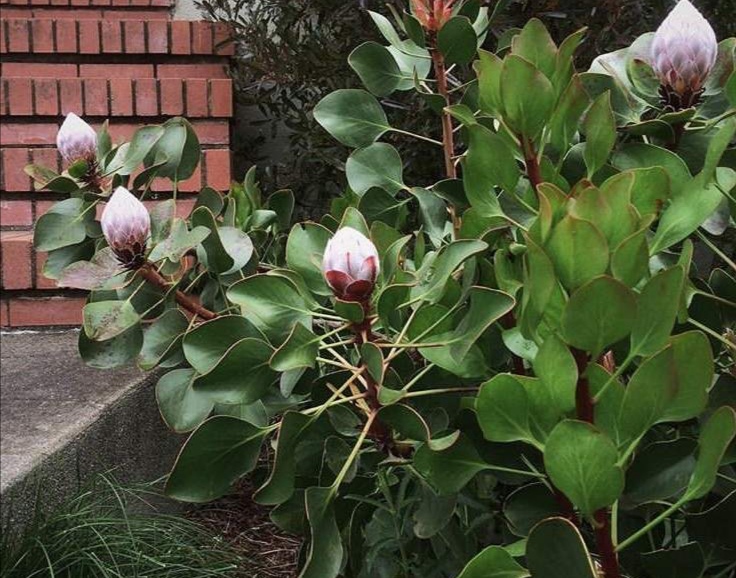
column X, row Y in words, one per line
column 432, row 14
column 76, row 140
column 126, row 226
column 683, row 53
column 351, row 265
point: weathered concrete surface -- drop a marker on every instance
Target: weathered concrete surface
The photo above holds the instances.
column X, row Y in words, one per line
column 61, row 422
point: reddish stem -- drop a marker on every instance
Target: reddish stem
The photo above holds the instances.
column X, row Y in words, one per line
column 531, row 161
column 186, row 301
column 583, row 400
column 606, row 550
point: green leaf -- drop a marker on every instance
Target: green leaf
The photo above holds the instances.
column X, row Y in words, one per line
column 349, row 310
column 178, row 242
column 556, row 368
column 600, row 133
column 182, row 407
column 503, row 410
column 660, row 471
column 493, row 562
column 205, row 345
column 376, row 68
column 566, row 117
column 243, row 375
column 299, row 350
column 690, row 209
column 716, row 147
column 486, row 307
column 377, row 165
column 433, row 279
column 102, row 272
column 450, row 468
column 373, row 359
column 325, row 554
column 555, row 549
column 433, row 211
column 433, row 513
column 581, row 462
column 273, row 304
column 115, row 352
column 599, row 314
column 650, row 190
column 179, row 147
column 64, row 224
column 659, row 302
column 630, row 259
column 638, row 155
column 160, row 337
column 144, row 139
column 405, row 421
column 219, row 452
column 104, row 320
column 488, row 69
column 304, row 250
column 489, row 162
column 578, row 250
column 528, row 505
column 385, row 27
column 535, row 44
column 354, row 117
column 457, row 41
column 715, row 436
column 280, row 484
column 686, row 561
column 528, row 96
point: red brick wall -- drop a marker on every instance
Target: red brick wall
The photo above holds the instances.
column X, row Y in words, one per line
column 122, row 60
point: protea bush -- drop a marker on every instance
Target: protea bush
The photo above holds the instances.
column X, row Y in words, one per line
column 524, row 369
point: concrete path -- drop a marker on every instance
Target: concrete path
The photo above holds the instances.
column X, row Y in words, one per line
column 61, row 421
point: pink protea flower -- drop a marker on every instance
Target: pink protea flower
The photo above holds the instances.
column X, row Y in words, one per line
column 432, row 14
column 350, row 265
column 126, row 226
column 76, row 140
column 684, row 51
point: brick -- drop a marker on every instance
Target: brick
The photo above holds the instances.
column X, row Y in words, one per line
column 66, row 36
column 121, row 97
column 20, row 96
column 46, row 311
column 146, row 97
column 221, row 97
column 65, row 14
column 202, row 38
column 158, row 36
column 135, row 40
column 16, row 213
column 14, row 161
column 172, row 96
column 46, row 97
column 46, row 157
column 38, row 70
column 23, row 133
column 42, row 32
column 89, row 37
column 196, row 97
column 223, row 43
column 16, row 265
column 112, row 37
column 3, row 96
column 217, row 163
column 4, row 314
column 40, row 280
column 144, row 15
column 116, row 70
column 70, row 95
column 181, row 37
column 80, row 2
column 96, row 99
column 212, row 131
column 18, row 36
column 139, row 2
column 191, row 71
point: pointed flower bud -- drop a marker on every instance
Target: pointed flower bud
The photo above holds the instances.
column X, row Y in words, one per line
column 76, row 140
column 683, row 52
column 351, row 265
column 432, row 14
column 126, row 226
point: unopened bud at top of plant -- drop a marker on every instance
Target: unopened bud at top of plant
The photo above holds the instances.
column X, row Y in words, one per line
column 684, row 50
column 126, row 226
column 76, row 140
column 432, row 14
column 351, row 265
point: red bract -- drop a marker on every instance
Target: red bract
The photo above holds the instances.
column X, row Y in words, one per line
column 433, row 14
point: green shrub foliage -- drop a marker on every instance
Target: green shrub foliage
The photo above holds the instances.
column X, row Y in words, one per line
column 524, row 368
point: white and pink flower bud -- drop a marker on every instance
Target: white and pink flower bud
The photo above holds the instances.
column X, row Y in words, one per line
column 126, row 225
column 351, row 265
column 432, row 14
column 684, row 50
column 76, row 140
